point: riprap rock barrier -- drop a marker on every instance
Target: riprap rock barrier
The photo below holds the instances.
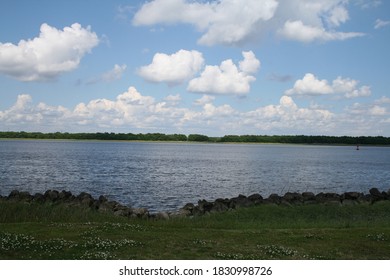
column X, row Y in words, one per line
column 203, row 207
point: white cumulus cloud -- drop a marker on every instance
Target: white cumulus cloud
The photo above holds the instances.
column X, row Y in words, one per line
column 287, row 116
column 222, row 22
column 316, row 20
column 250, row 64
column 172, row 69
column 227, row 78
column 49, row 55
column 311, row 85
column 132, row 111
column 234, row 22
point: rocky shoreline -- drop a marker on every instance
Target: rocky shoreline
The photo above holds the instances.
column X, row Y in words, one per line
column 203, row 207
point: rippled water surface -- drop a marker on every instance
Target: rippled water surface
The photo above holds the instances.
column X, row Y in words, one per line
column 165, row 176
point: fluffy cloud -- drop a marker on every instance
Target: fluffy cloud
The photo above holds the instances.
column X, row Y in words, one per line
column 233, row 22
column 311, row 85
column 173, row 69
column 49, row 55
column 250, row 64
column 132, row 111
column 287, row 116
column 317, row 20
column 227, row 78
column 223, row 22
column 24, row 114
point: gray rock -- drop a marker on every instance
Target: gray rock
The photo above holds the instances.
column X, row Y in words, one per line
column 14, row 195
column 220, row 205
column 51, row 195
column 256, row 198
column 274, row 198
column 293, row 198
column 351, row 195
column 25, row 196
column 140, row 212
column 376, row 195
column 197, row 211
column 240, row 202
column 65, row 196
column 205, row 206
column 307, row 196
column 87, row 202
column 102, row 199
column 162, row 216
column 107, row 206
column 328, row 197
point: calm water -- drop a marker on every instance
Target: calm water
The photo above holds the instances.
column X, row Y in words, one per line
column 165, row 176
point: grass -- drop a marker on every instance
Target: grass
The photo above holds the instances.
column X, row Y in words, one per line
column 49, row 231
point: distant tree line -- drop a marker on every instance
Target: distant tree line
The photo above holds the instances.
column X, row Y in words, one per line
column 287, row 139
column 307, row 139
column 96, row 136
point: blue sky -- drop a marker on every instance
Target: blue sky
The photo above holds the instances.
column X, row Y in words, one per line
column 183, row 66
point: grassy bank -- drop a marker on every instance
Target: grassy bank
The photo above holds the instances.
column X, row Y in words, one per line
column 49, row 231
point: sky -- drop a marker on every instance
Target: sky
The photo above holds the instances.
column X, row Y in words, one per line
column 264, row 67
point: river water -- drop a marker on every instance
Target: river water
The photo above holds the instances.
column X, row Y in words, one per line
column 166, row 176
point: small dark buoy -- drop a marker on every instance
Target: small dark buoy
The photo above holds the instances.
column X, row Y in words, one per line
column 357, row 147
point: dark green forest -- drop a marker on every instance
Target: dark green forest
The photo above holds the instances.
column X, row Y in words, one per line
column 287, row 139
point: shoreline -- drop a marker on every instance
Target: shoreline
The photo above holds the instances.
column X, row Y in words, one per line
column 203, row 207
column 199, row 138
column 196, row 142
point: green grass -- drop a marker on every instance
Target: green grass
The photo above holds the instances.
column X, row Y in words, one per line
column 49, row 231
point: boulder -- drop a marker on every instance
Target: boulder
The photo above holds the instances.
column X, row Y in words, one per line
column 162, row 216
column 205, row 206
column 183, row 213
column 308, row 196
column 188, row 207
column 84, row 195
column 293, row 198
column 25, row 196
column 220, row 205
column 140, row 212
column 351, row 196
column 256, row 198
column 239, row 202
column 274, row 198
column 102, row 199
column 197, row 211
column 14, row 195
column 376, row 195
column 38, row 197
column 328, row 197
column 65, row 196
column 107, row 206
column 125, row 212
column 87, row 202
column 51, row 195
